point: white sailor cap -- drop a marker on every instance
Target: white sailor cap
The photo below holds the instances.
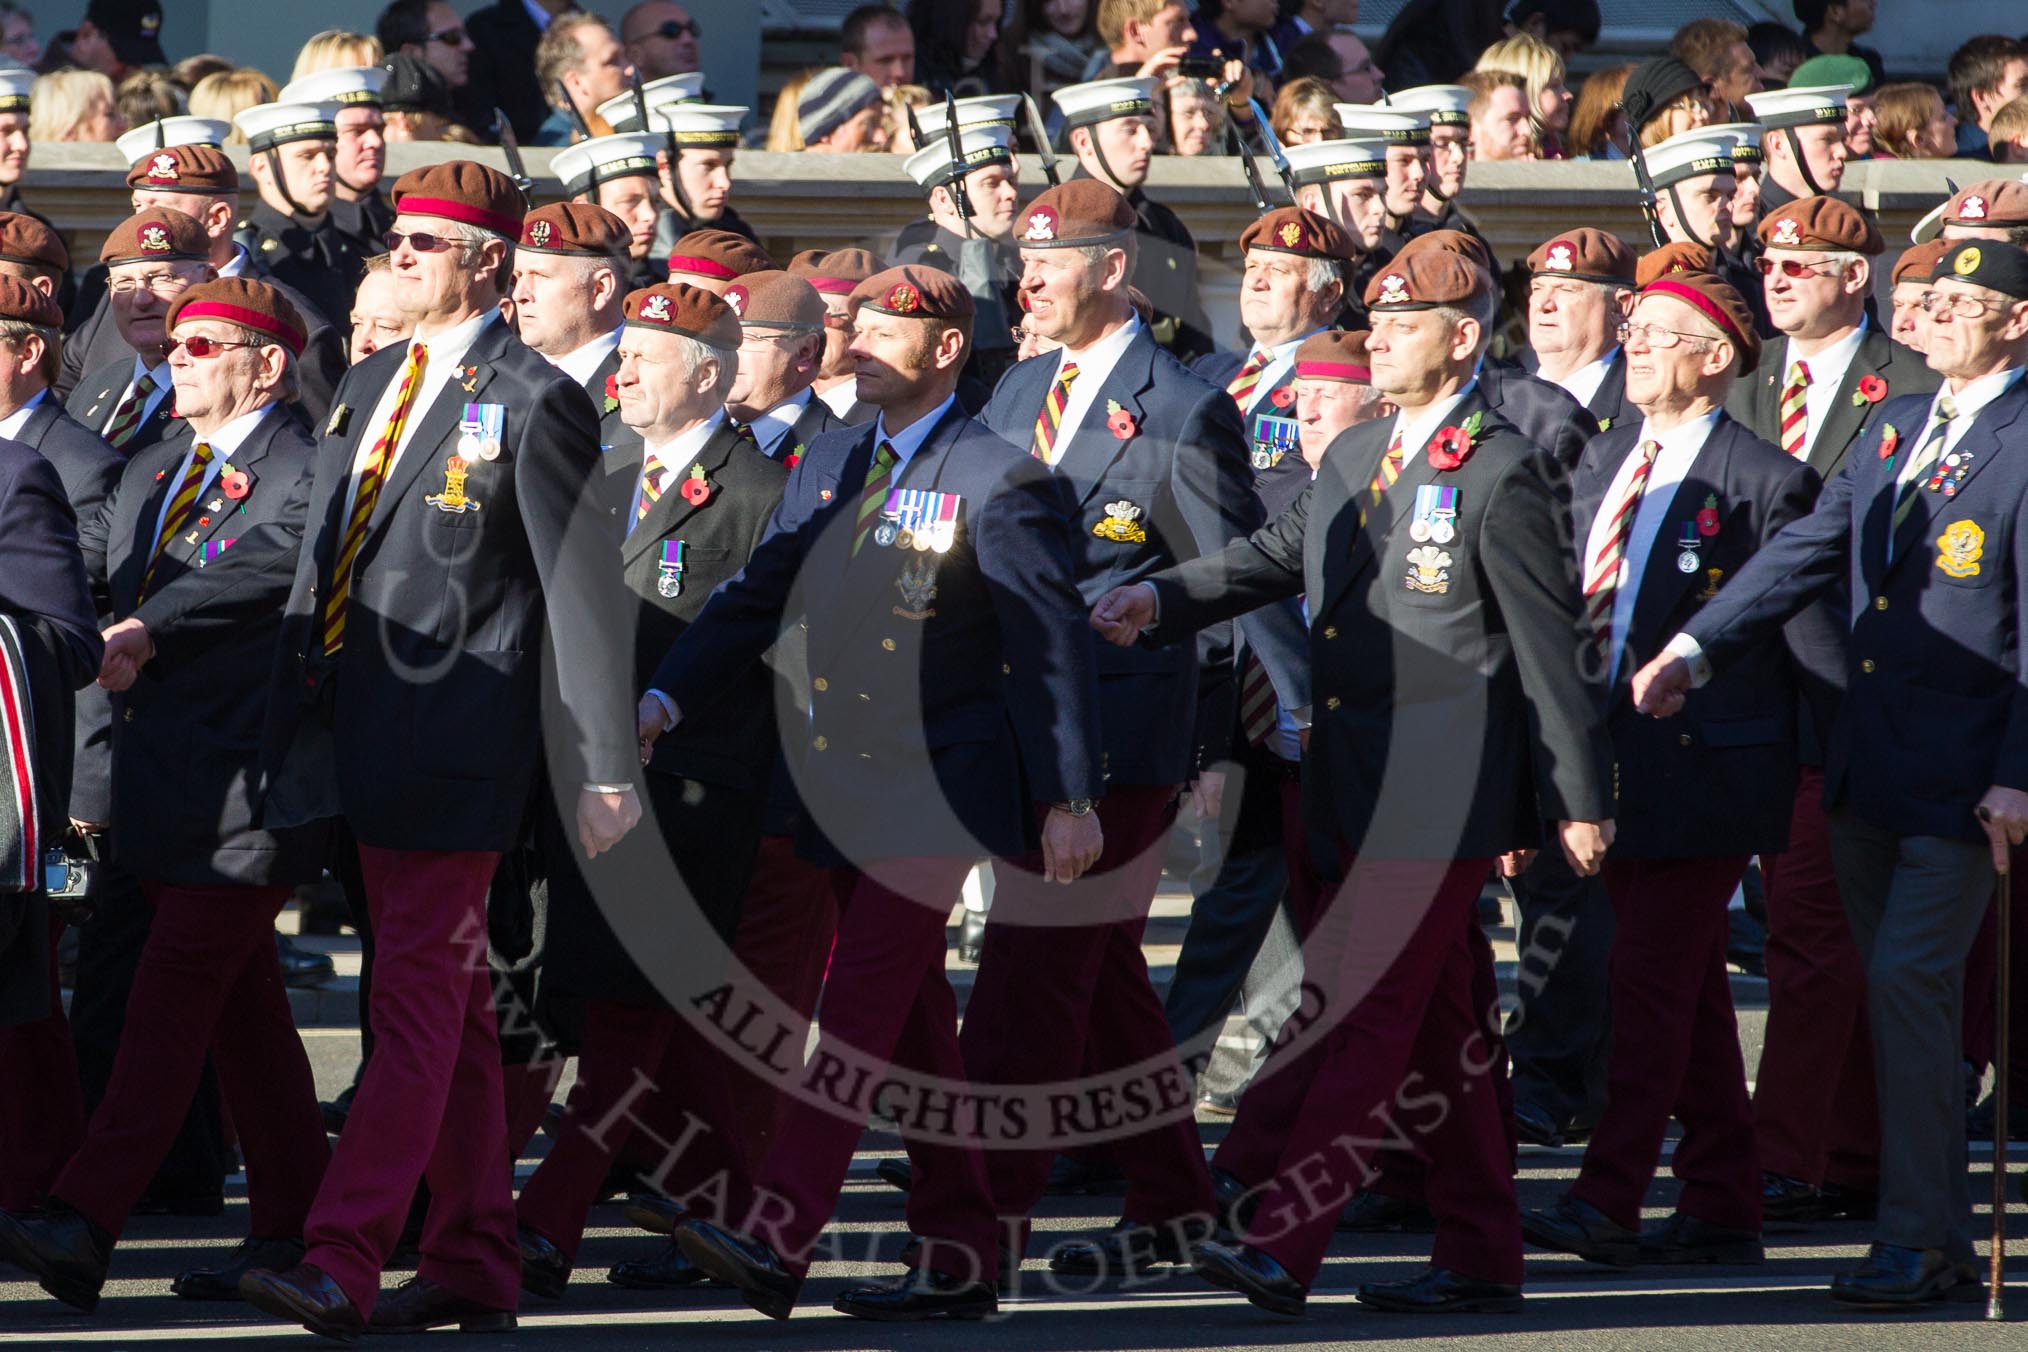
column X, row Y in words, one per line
column 984, row 110
column 273, row 124
column 1448, row 105
column 1747, row 134
column 699, row 126
column 981, row 146
column 16, row 84
column 629, row 154
column 618, row 111
column 1330, row 161
column 1096, row 101
column 150, row 137
column 1380, row 122
column 1691, row 154
column 1778, row 108
column 346, row 86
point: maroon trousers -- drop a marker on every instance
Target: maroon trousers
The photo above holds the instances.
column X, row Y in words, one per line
column 1396, row 1056
column 208, row 981
column 1981, row 968
column 42, row 1116
column 1675, row 1049
column 430, row 1103
column 1814, row 1111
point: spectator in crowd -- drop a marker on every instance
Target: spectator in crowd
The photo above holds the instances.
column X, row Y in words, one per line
column 957, row 46
column 431, row 30
column 1717, row 49
column 1196, row 120
column 834, row 111
column 1501, row 126
column 74, row 105
column 1857, row 77
column 18, row 42
column 1984, row 75
column 900, row 101
column 1049, row 44
column 1340, row 59
column 876, row 41
column 1435, row 41
column 1141, row 37
column 118, row 37
column 16, row 88
column 1321, row 16
column 661, row 39
column 1538, row 65
column 1567, row 25
column 579, row 59
column 2008, row 134
column 415, row 103
column 1665, row 98
column 1598, row 128
column 1912, row 123
column 147, row 95
column 1250, row 30
column 377, row 321
column 337, row 49
column 229, row 93
column 191, row 70
column 1829, row 27
column 1777, row 50
column 1305, row 110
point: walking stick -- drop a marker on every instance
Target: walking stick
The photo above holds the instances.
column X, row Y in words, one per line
column 1996, row 1298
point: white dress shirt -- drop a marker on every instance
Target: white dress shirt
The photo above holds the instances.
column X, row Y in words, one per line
column 1971, row 401
column 1281, row 357
column 840, row 397
column 1827, row 373
column 164, row 386
column 580, row 364
column 675, row 457
column 1415, row 435
column 11, row 425
column 223, row 443
column 1680, row 445
column 1094, row 365
column 771, row 427
column 447, row 354
column 236, row 265
column 1582, row 384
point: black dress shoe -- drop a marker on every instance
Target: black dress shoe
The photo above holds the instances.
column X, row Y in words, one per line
column 544, row 1269
column 1685, row 1239
column 622, row 1180
column 1892, row 1276
column 222, row 1283
column 1237, row 1201
column 921, row 1294
column 1536, row 1127
column 1789, row 1199
column 1370, row 1213
column 336, row 1112
column 1441, row 1291
column 748, row 1264
column 1010, row 1262
column 655, row 1213
column 1253, row 1274
column 1849, row 1204
column 65, row 1253
column 895, row 1173
column 1979, row 1121
column 180, row 1204
column 306, row 1295
column 971, row 940
column 666, row 1271
column 1746, row 943
column 1128, row 1249
column 1072, row 1177
column 419, row 1304
column 1581, row 1228
column 301, row 968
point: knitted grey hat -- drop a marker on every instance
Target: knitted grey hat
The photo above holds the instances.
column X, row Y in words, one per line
column 830, row 99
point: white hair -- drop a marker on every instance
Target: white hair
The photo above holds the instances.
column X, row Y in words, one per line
column 1323, row 272
column 694, row 352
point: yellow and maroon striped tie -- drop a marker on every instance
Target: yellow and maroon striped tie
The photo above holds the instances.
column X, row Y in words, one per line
column 1390, row 468
column 874, row 495
column 1608, row 567
column 1050, row 421
column 371, row 475
column 178, row 512
column 127, row 418
column 651, row 487
column 1258, row 710
column 1242, row 386
column 1795, row 409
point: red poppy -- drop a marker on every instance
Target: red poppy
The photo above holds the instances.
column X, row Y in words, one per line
column 1283, row 397
column 235, row 484
column 1707, row 516
column 1121, row 424
column 695, row 491
column 612, row 392
column 1889, row 439
column 792, row 460
column 1449, row 448
column 1872, row 388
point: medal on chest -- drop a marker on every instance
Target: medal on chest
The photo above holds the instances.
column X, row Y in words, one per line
column 918, row 519
column 1273, row 438
column 669, row 570
column 482, row 432
column 1435, row 518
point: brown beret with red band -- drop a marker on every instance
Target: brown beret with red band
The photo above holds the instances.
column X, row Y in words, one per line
column 680, row 308
column 834, row 272
column 464, row 191
column 717, row 253
column 1587, row 255
column 577, row 228
column 156, row 235
column 1334, row 354
column 247, row 303
column 26, row 304
column 914, row 293
column 1717, row 302
column 25, row 240
column 191, row 169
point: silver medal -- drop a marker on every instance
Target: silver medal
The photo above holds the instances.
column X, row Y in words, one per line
column 1686, row 562
column 468, row 446
column 1419, row 531
column 489, row 449
column 884, row 533
column 1443, row 532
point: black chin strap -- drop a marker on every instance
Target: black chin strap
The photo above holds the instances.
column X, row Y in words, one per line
column 1683, row 220
column 1803, row 164
column 282, row 183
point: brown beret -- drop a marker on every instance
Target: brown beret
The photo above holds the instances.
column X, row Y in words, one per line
column 1990, row 201
column 1076, row 214
column 1918, row 262
column 1422, row 279
column 1718, row 302
column 1292, row 230
column 247, row 303
column 26, row 304
column 678, row 307
column 914, row 293
column 1821, row 223
column 464, row 191
column 156, row 235
column 834, row 272
column 192, row 169
column 776, row 300
column 718, row 254
column 1676, row 256
column 24, row 239
column 1586, row 254
column 1457, row 242
column 576, row 228
column 1334, row 354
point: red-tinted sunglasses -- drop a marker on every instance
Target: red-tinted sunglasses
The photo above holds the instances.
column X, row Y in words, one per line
column 197, row 345
column 419, row 241
column 1790, row 267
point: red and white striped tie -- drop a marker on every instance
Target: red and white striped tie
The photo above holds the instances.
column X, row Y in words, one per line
column 1608, row 567
column 1243, row 382
column 1795, row 409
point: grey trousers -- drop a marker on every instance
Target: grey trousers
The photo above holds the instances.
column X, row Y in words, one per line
column 1915, row 903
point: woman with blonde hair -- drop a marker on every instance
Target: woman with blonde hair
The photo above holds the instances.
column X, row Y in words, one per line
column 147, row 95
column 1915, row 124
column 336, row 49
column 229, row 93
column 1542, row 70
column 73, row 105
column 1305, row 110
column 1598, row 129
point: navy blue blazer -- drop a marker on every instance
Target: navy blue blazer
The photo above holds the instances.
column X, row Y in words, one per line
column 1720, row 780
column 1540, row 410
column 947, row 691
column 99, row 393
column 1219, row 368
column 1936, row 701
column 1277, row 633
column 1178, row 487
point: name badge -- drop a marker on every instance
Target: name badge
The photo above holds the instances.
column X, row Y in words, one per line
column 669, row 581
column 1435, row 519
column 1273, row 438
column 482, row 432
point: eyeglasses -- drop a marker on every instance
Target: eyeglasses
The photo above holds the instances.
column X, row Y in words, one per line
column 843, row 322
column 1655, row 336
column 200, row 347
column 1964, row 307
column 674, row 29
column 419, row 241
column 161, row 284
column 1792, row 267
column 450, row 37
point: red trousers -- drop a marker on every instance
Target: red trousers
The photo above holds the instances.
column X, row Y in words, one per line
column 208, row 981
column 38, row 1129
column 1392, row 1054
column 888, row 1002
column 1814, row 1111
column 430, row 1104
column 1675, row 1049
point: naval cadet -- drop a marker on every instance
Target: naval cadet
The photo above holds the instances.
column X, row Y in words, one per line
column 1803, row 143
column 1345, row 182
column 359, row 209
column 972, row 244
column 618, row 173
column 290, row 150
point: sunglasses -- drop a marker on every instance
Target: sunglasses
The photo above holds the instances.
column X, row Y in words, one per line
column 450, row 37
column 420, row 241
column 1790, row 267
column 676, row 28
column 200, row 347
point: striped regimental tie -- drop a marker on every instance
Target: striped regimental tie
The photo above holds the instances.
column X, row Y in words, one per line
column 874, row 494
column 1795, row 409
column 1248, row 376
column 180, row 507
column 651, row 487
column 1258, row 709
column 1389, row 471
column 1926, row 456
column 1608, row 568
column 371, row 475
column 127, row 418
column 1050, row 421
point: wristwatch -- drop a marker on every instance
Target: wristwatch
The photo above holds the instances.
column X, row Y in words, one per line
column 1076, row 807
